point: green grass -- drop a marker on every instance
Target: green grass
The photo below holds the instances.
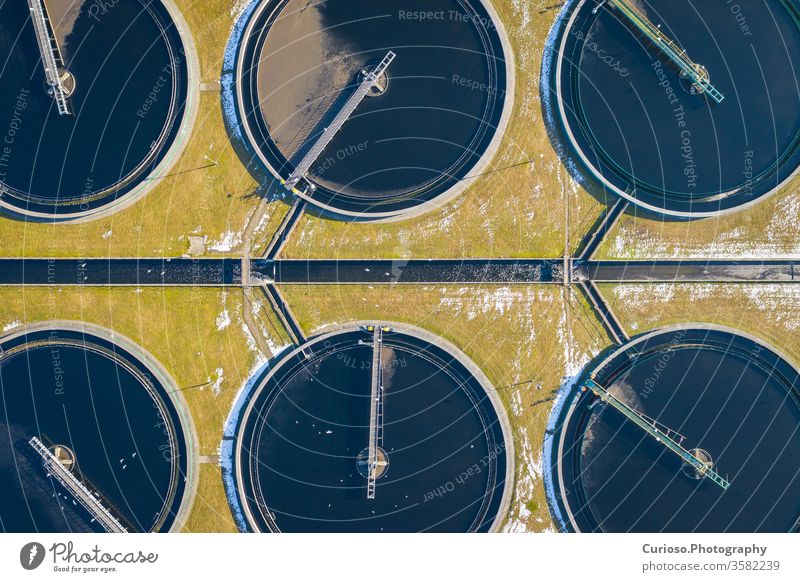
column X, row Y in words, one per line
column 514, row 212
column 179, row 327
column 767, row 311
column 767, row 229
column 208, row 191
column 513, row 333
column 210, row 512
column 210, row 22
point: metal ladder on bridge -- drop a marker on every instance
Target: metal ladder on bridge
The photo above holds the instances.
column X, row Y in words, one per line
column 662, row 436
column 376, row 411
column 697, row 73
column 344, row 114
column 48, row 47
column 78, row 490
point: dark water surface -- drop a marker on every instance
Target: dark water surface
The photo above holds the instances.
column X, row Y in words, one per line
column 65, row 388
column 312, row 421
column 129, row 67
column 725, row 394
column 445, row 95
column 633, row 118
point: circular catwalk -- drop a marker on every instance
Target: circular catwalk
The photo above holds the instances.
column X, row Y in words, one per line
column 407, row 138
column 92, row 440
column 372, row 429
column 685, row 107
column 90, row 107
column 685, row 429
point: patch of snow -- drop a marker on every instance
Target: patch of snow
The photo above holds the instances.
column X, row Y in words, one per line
column 777, row 240
column 516, row 403
column 562, row 398
column 636, row 296
column 224, row 318
column 547, row 57
column 108, row 234
column 240, row 11
column 239, row 6
column 776, row 301
column 323, row 326
column 12, row 325
column 216, row 385
column 276, row 349
column 227, row 243
column 229, row 429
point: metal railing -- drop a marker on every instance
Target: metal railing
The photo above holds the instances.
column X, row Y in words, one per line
column 92, row 504
column 48, row 48
column 677, row 55
column 333, row 128
column 375, row 411
column 662, row 436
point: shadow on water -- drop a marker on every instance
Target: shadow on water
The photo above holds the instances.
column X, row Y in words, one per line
column 268, row 186
column 555, row 130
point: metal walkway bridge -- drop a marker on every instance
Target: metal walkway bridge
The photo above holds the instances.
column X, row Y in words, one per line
column 51, row 55
column 697, row 73
column 78, row 490
column 344, row 114
column 375, row 412
column 662, row 435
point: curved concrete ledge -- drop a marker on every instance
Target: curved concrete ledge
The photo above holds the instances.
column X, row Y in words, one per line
column 150, row 180
column 396, row 216
column 414, row 331
column 563, row 420
column 170, row 386
column 598, row 175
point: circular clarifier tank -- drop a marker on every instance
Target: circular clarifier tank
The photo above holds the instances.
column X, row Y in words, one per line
column 644, row 127
column 698, row 392
column 430, row 124
column 123, row 69
column 105, row 413
column 319, row 450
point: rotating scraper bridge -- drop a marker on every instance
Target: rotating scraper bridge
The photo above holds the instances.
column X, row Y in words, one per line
column 371, row 78
column 267, row 272
column 92, row 503
column 50, row 53
column 689, row 69
column 665, row 436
